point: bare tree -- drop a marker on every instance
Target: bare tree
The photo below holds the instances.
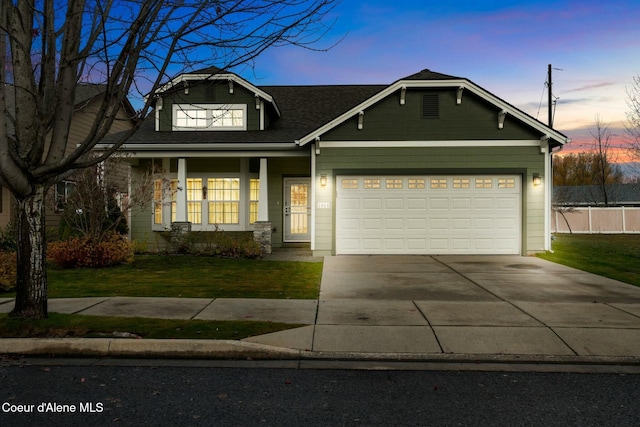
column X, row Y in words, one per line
column 604, row 170
column 633, row 118
column 48, row 46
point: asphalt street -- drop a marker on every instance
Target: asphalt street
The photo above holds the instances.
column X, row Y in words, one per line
column 81, row 395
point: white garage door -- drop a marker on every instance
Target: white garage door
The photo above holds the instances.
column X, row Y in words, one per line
column 428, row 214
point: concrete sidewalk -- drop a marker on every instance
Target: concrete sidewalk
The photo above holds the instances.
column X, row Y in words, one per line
column 411, row 307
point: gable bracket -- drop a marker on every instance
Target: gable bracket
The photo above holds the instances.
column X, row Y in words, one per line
column 544, row 143
column 403, row 95
column 459, row 95
column 257, row 101
column 501, row 116
column 230, row 83
column 361, row 120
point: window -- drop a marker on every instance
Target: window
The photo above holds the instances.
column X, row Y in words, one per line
column 416, row 184
column 64, row 189
column 460, row 183
column 194, row 200
column 227, row 118
column 157, row 201
column 506, row 183
column 484, row 182
column 437, row 183
column 209, row 117
column 191, row 118
column 254, row 197
column 349, row 183
column 371, row 183
column 224, row 200
column 394, row 183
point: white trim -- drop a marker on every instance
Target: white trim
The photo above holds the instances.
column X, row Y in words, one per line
column 143, row 154
column 222, row 76
column 453, row 83
column 411, row 144
column 313, row 197
column 181, row 195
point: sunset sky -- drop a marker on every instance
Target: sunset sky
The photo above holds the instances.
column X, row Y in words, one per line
column 504, row 47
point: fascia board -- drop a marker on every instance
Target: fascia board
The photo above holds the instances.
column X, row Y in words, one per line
column 224, row 76
column 177, row 147
column 465, row 84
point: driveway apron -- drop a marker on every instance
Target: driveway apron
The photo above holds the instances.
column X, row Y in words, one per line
column 468, row 305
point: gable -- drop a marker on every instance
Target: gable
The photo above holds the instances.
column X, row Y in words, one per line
column 212, row 94
column 430, row 114
column 474, row 118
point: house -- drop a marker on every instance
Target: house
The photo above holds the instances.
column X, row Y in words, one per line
column 429, row 164
column 87, row 101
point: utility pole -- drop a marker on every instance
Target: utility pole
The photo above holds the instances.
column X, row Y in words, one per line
column 550, row 100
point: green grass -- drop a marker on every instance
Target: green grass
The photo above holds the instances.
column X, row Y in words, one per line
column 616, row 256
column 72, row 325
column 170, row 276
column 190, row 277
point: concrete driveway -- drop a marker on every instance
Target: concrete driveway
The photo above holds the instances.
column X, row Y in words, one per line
column 469, row 305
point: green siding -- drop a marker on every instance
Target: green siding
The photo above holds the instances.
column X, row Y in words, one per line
column 473, row 119
column 210, row 93
column 278, row 168
column 437, row 160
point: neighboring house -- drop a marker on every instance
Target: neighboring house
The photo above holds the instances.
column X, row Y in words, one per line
column 88, row 99
column 430, row 164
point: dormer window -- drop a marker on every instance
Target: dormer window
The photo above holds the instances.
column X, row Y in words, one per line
column 214, row 117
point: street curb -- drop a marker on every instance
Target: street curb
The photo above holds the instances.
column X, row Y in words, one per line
column 242, row 350
column 147, row 348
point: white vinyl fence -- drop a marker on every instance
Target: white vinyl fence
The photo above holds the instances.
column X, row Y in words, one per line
column 592, row 220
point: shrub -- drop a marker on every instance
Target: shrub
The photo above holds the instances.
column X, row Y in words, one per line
column 234, row 247
column 7, row 271
column 83, row 252
column 8, row 238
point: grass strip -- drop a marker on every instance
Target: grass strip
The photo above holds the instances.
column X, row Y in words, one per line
column 59, row 325
column 616, row 256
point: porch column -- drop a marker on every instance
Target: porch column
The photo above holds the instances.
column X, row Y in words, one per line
column 263, row 196
column 181, row 195
column 262, row 227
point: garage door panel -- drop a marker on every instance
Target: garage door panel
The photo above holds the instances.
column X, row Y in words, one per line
column 371, row 204
column 418, row 224
column 393, row 204
column 396, row 224
column 416, row 204
column 429, row 215
column 438, row 203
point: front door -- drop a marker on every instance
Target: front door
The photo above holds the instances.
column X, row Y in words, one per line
column 297, row 210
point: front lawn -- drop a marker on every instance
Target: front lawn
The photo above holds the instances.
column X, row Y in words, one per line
column 190, row 277
column 616, row 256
column 170, row 276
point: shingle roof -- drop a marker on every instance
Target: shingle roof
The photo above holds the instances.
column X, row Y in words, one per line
column 430, row 75
column 303, row 109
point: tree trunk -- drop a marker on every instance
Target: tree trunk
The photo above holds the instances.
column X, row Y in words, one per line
column 31, row 280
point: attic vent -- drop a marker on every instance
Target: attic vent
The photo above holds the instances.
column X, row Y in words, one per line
column 430, row 107
column 210, row 92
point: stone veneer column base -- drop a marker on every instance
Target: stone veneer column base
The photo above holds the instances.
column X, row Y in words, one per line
column 262, row 235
